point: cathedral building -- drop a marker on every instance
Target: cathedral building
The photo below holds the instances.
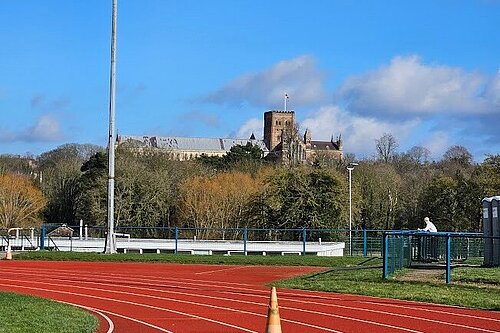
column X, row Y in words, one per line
column 285, row 144
column 282, row 143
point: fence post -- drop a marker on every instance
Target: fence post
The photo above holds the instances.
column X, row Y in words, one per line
column 176, row 239
column 245, row 239
column 448, row 258
column 42, row 237
column 385, row 250
column 304, row 239
column 81, row 229
column 365, row 243
column 401, row 252
column 393, row 261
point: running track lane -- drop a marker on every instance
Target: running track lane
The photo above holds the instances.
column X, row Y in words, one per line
column 137, row 297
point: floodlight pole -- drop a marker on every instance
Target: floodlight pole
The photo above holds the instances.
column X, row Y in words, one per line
column 110, row 238
column 350, row 167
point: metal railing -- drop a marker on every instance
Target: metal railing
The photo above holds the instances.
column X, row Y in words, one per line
column 365, row 242
column 405, row 249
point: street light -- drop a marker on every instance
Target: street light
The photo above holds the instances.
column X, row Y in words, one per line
column 110, row 238
column 350, row 167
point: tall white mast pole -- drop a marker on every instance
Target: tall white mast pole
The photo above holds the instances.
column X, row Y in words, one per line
column 286, row 99
column 110, row 241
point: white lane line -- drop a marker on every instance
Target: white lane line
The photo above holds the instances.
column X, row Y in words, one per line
column 99, row 312
column 160, row 281
column 330, row 305
column 260, row 291
column 127, row 318
column 420, row 307
column 255, row 303
column 143, row 276
column 137, row 321
column 117, row 300
column 394, row 314
column 221, row 270
column 353, row 319
column 164, row 298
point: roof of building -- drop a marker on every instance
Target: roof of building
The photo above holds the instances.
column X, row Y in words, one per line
column 189, row 144
column 324, row 145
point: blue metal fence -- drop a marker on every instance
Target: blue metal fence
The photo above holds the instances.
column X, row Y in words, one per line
column 399, row 249
column 367, row 243
column 404, row 249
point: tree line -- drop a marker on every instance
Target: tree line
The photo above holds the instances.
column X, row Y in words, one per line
column 390, row 190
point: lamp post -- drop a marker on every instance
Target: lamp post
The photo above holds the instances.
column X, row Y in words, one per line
column 350, row 167
column 110, row 241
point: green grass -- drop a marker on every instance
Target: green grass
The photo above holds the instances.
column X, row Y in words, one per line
column 274, row 260
column 472, row 286
column 488, row 276
column 27, row 314
column 370, row 282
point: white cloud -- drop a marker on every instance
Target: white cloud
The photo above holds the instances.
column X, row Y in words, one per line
column 298, row 77
column 45, row 129
column 437, row 144
column 208, row 119
column 358, row 132
column 254, row 125
column 407, row 86
column 434, row 106
column 492, row 92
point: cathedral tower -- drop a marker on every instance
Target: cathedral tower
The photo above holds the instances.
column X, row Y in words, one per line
column 275, row 124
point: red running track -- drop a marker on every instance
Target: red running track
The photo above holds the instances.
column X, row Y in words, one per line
column 138, row 297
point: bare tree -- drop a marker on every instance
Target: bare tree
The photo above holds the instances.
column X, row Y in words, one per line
column 419, row 154
column 386, row 147
column 458, row 154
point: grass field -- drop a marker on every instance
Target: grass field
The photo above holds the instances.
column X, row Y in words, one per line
column 27, row 314
column 193, row 259
column 474, row 287
column 475, row 294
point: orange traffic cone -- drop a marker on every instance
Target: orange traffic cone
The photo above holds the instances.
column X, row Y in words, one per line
column 8, row 254
column 273, row 324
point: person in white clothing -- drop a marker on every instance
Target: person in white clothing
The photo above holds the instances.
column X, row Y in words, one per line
column 429, row 226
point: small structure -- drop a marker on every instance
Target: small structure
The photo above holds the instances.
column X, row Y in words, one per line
column 491, row 231
column 62, row 231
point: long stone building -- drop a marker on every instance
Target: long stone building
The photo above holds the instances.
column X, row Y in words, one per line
column 281, row 143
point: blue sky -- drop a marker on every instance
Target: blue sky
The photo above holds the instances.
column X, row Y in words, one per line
column 427, row 72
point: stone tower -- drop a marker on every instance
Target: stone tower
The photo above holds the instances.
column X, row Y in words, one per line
column 275, row 124
column 307, row 139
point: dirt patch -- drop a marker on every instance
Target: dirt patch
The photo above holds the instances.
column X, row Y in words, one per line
column 422, row 275
column 437, row 276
